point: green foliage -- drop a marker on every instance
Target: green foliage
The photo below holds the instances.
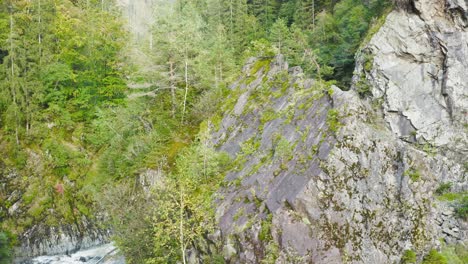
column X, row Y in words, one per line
column 413, row 174
column 5, row 249
column 455, row 254
column 452, row 196
column 265, row 230
column 333, row 120
column 443, row 188
column 461, row 209
column 184, row 201
column 260, row 48
column 272, row 253
column 279, row 34
column 260, row 65
column 340, row 33
column 271, row 250
column 283, row 149
column 434, row 257
column 409, row 257
column 129, row 219
column 376, row 24
column 363, row 88
column 60, row 63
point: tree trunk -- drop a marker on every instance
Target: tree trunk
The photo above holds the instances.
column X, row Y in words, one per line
column 40, row 33
column 12, row 86
column 186, row 89
column 231, row 21
column 172, row 84
column 313, row 14
column 221, row 72
column 181, row 225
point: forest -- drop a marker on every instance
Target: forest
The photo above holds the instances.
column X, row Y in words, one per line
column 75, row 139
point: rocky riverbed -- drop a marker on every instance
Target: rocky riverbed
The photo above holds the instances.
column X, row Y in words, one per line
column 103, row 254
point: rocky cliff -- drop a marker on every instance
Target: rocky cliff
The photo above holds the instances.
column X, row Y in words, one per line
column 43, row 235
column 323, row 175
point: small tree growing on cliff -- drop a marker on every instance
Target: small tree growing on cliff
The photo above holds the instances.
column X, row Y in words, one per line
column 183, row 213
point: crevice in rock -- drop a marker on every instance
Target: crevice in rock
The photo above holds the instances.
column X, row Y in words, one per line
column 444, row 91
column 399, row 167
column 457, row 13
column 402, row 126
column 407, row 6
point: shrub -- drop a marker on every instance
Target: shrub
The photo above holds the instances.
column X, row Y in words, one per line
column 434, row 257
column 333, row 120
column 461, row 209
column 5, row 250
column 408, row 257
column 443, row 188
column 414, row 174
column 455, row 254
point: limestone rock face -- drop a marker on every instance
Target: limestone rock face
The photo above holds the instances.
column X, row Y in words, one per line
column 417, row 64
column 321, row 175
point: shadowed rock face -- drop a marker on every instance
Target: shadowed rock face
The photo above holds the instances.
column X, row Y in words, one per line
column 65, row 239
column 324, row 176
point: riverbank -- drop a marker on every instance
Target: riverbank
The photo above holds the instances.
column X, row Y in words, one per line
column 103, row 254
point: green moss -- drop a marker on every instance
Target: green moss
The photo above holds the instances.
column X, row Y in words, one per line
column 429, row 149
column 250, row 79
column 443, row 188
column 281, row 81
column 452, row 196
column 283, row 149
column 368, row 62
column 231, row 100
column 333, row 121
column 250, row 146
column 409, row 257
column 265, row 64
column 239, row 213
column 272, row 252
column 268, row 115
column 305, row 134
column 434, row 257
column 414, row 174
column 265, row 230
column 237, row 182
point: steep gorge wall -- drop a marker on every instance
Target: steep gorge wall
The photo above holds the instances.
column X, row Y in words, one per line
column 327, row 176
column 416, row 64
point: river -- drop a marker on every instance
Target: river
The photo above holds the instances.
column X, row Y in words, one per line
column 103, row 254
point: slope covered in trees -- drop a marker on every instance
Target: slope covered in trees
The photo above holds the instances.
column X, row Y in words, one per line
column 60, row 65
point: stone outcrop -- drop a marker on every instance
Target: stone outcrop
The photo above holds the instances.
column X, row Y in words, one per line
column 41, row 237
column 416, row 64
column 327, row 176
column 66, row 239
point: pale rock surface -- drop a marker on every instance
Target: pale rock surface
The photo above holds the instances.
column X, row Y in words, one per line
column 419, row 71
